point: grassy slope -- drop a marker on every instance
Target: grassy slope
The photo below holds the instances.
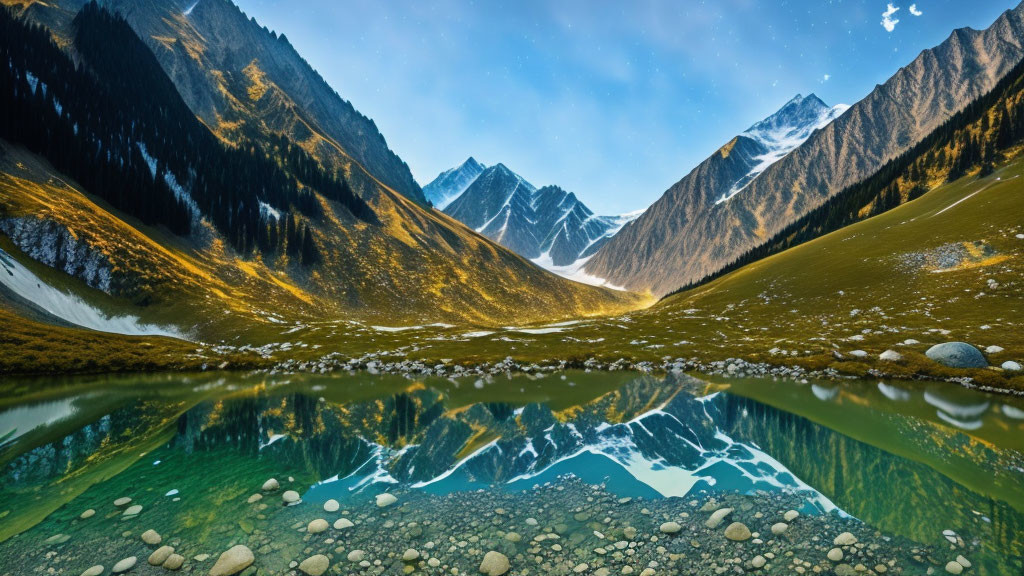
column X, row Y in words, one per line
column 801, row 300
column 399, row 275
column 804, row 300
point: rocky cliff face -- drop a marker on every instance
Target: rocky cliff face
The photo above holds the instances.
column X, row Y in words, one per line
column 683, row 237
column 52, row 244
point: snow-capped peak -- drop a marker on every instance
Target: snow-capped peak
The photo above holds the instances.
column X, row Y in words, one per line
column 794, row 122
column 451, row 183
column 783, row 132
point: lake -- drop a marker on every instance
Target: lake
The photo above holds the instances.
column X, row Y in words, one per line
column 572, row 473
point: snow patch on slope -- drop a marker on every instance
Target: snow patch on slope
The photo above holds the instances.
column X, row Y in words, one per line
column 267, row 211
column 172, row 182
column 69, row 307
column 574, row 271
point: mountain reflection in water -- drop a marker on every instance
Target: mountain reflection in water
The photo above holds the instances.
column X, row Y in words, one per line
column 909, row 459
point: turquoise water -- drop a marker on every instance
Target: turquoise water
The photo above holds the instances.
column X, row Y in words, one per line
column 585, row 455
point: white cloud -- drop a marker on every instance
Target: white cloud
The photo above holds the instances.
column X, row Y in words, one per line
column 888, row 22
column 826, row 77
column 914, row 10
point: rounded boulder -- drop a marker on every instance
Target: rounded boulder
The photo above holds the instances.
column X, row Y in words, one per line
column 957, row 355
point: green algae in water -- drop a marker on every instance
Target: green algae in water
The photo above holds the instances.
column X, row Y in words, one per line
column 554, row 471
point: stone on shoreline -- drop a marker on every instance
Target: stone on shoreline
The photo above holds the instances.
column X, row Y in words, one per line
column 174, row 562
column 957, row 355
column 158, row 557
column 737, row 532
column 495, row 564
column 670, row 528
column 845, row 539
column 315, row 565
column 124, row 565
column 233, row 561
column 356, row 556
column 717, row 517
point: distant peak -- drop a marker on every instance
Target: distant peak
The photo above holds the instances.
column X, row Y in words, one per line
column 814, row 98
column 471, row 162
column 804, row 102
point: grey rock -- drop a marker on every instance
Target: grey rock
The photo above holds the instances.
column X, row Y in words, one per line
column 957, row 355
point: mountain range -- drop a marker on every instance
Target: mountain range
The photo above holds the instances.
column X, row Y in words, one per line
column 548, row 225
column 689, row 233
column 248, row 86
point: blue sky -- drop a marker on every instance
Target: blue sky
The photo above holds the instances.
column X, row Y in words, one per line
column 612, row 100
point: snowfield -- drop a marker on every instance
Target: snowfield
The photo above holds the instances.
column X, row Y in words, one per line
column 69, row 307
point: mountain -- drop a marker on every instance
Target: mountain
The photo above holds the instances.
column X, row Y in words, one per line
column 176, row 227
column 243, row 80
column 548, row 225
column 451, row 183
column 780, row 134
column 685, row 236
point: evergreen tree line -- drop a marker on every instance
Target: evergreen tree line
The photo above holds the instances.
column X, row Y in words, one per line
column 116, row 123
column 36, row 109
column 976, row 136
